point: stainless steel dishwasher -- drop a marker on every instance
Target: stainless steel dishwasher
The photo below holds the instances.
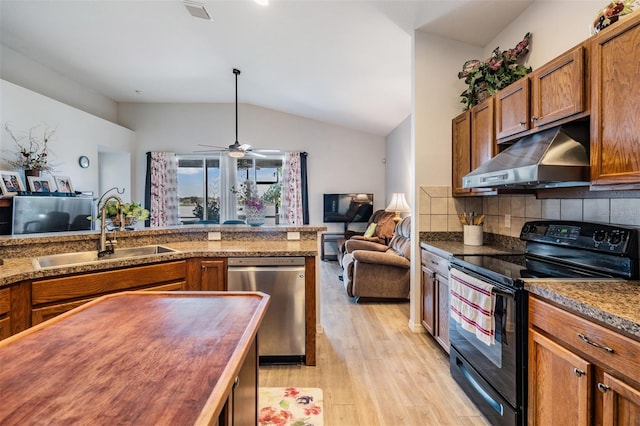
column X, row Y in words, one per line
column 281, row 338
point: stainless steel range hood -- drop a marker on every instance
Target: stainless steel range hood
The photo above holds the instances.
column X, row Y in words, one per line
column 558, row 157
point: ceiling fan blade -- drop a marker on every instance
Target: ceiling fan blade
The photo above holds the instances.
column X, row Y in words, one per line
column 245, row 147
column 212, row 146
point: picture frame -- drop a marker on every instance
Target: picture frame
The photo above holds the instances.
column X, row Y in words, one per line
column 39, row 184
column 10, row 183
column 63, row 183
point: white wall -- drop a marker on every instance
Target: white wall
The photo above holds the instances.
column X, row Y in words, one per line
column 556, row 26
column 26, row 72
column 398, row 164
column 77, row 133
column 436, row 100
column 340, row 159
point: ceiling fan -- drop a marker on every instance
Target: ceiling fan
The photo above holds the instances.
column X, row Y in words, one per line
column 235, row 150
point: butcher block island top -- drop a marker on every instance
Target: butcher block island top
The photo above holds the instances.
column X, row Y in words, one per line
column 131, row 358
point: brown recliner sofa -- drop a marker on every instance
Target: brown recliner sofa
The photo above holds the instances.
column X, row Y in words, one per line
column 373, row 270
column 382, row 235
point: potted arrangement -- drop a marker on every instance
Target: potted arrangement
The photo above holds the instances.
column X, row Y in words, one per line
column 611, row 13
column 254, row 208
column 485, row 78
column 32, row 155
column 132, row 212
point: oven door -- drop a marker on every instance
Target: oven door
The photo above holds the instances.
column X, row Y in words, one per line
column 494, row 373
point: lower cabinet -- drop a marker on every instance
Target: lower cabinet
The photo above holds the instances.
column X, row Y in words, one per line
column 51, row 297
column 435, row 297
column 5, row 313
column 580, row 373
column 241, row 407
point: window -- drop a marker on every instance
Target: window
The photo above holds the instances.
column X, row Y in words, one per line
column 208, row 180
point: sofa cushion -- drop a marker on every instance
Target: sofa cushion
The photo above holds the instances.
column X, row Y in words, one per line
column 371, row 229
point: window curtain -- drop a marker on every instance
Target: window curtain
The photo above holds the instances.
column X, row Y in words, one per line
column 295, row 197
column 161, row 192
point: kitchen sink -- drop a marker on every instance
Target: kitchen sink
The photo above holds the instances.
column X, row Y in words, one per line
column 76, row 258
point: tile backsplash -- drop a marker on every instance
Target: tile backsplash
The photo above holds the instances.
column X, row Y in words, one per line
column 439, row 210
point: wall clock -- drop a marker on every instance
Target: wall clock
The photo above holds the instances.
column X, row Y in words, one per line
column 83, row 161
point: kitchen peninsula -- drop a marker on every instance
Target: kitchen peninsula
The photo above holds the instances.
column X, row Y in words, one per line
column 153, row 357
column 197, row 262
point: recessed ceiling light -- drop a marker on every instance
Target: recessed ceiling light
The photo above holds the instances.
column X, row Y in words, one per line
column 262, row 2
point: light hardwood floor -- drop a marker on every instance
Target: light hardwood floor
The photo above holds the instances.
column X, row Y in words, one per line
column 372, row 369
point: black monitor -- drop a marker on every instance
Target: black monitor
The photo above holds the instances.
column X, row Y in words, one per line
column 347, row 208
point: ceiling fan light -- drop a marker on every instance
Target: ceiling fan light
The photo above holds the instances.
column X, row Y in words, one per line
column 236, row 154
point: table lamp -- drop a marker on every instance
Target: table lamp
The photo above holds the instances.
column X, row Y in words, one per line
column 398, row 204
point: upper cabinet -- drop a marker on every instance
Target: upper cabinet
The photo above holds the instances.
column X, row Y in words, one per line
column 615, row 88
column 473, row 143
column 553, row 92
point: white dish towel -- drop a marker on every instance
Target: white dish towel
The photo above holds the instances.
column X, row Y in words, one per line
column 472, row 305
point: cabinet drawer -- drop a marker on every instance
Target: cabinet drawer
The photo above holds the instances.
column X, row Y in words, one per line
column 567, row 328
column 80, row 286
column 436, row 263
column 4, row 301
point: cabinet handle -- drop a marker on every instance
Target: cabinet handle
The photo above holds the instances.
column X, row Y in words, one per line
column 603, row 388
column 534, row 118
column 522, row 123
column 236, row 382
column 434, row 262
column 578, row 372
column 592, row 343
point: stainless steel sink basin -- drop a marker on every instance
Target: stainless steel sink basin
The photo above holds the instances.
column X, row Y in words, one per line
column 68, row 259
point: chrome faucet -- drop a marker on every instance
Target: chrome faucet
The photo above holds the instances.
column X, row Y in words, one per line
column 102, row 250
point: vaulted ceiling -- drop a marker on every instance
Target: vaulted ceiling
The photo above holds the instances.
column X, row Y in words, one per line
column 342, row 62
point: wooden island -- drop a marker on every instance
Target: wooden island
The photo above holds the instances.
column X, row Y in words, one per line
column 137, row 358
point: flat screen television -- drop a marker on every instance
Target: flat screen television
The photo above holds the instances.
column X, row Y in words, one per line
column 347, row 208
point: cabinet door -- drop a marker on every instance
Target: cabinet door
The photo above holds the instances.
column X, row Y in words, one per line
column 559, row 384
column 558, row 88
column 621, row 402
column 615, row 128
column 428, row 300
column 213, row 275
column 512, row 109
column 461, row 151
column 483, row 137
column 442, row 335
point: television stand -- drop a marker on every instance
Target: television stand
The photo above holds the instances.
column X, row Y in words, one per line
column 329, row 238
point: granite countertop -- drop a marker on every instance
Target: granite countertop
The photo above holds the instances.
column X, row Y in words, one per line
column 613, row 303
column 19, row 269
column 458, row 248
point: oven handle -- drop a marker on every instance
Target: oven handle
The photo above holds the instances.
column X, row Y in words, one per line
column 497, row 288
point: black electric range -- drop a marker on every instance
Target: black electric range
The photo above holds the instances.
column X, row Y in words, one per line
column 495, row 376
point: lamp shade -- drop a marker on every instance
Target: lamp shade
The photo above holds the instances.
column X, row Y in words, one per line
column 398, row 203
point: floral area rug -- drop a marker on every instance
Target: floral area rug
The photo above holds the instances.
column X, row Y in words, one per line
column 290, row 407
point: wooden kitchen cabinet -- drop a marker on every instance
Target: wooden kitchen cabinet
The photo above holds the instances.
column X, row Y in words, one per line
column 435, row 297
column 213, row 275
column 51, row 297
column 615, row 101
column 473, row 143
column 461, row 151
column 513, row 109
column 580, row 372
column 554, row 92
column 5, row 313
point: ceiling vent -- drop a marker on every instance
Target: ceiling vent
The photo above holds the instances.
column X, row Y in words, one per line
column 197, row 10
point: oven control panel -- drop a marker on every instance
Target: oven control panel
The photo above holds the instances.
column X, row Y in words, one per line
column 592, row 236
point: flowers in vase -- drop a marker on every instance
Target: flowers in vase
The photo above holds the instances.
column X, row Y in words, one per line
column 32, row 148
column 248, row 195
column 611, row 12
